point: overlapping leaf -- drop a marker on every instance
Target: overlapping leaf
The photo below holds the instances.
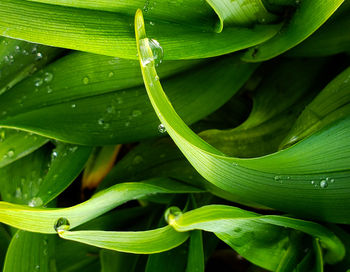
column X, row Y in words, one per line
column 309, row 179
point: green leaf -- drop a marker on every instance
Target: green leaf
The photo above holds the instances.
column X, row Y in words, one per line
column 5, row 239
column 195, row 262
column 18, row 59
column 298, row 180
column 17, row 144
column 241, row 12
column 30, row 252
column 260, row 239
column 111, row 33
column 45, row 220
column 329, row 39
column 67, row 161
column 307, row 18
column 117, row 261
column 330, row 105
column 105, row 99
column 140, row 242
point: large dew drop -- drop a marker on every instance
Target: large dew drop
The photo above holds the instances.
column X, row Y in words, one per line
column 151, row 51
column 61, row 224
column 161, row 128
column 172, row 214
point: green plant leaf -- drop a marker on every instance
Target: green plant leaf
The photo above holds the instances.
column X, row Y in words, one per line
column 329, row 39
column 111, row 34
column 260, row 239
column 307, row 18
column 30, row 251
column 195, row 260
column 18, row 59
column 106, row 101
column 330, row 105
column 17, row 144
column 140, row 242
column 298, row 180
column 44, row 220
column 242, row 12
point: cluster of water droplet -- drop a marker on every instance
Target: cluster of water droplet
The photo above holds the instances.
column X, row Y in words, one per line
column 323, row 183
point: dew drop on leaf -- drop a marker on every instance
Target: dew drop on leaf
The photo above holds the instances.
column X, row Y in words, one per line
column 48, row 77
column 86, row 80
column 61, row 224
column 35, row 202
column 38, row 82
column 136, row 113
column 161, row 128
column 10, row 153
column 38, row 56
column 323, row 184
column 157, row 52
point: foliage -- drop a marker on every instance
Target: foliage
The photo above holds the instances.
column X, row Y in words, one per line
column 174, row 135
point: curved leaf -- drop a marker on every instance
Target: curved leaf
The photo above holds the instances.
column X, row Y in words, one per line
column 261, row 239
column 330, row 105
column 111, row 34
column 140, row 242
column 300, row 180
column 105, row 99
column 241, row 12
column 307, row 18
column 44, row 220
column 16, row 144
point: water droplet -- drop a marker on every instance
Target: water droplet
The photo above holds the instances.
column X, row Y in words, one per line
column 312, row 182
column 48, row 77
column 38, row 82
column 110, row 109
column 61, row 224
column 73, row 149
column 136, row 113
column 73, row 106
column 156, row 78
column 161, row 128
column 101, row 121
column 25, row 52
column 106, row 125
column 157, row 52
column 18, row 193
column 127, row 124
column 17, row 48
column 332, row 180
column 38, row 56
column 137, row 160
column 49, row 89
column 37, row 267
column 151, row 23
column 54, row 155
column 235, row 164
column 171, row 214
column 35, row 202
column 323, row 184
column 86, row 80
column 10, row 153
column 110, row 74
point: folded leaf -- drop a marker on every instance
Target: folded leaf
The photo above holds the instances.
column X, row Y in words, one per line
column 307, row 18
column 111, row 33
column 312, row 174
column 47, row 220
